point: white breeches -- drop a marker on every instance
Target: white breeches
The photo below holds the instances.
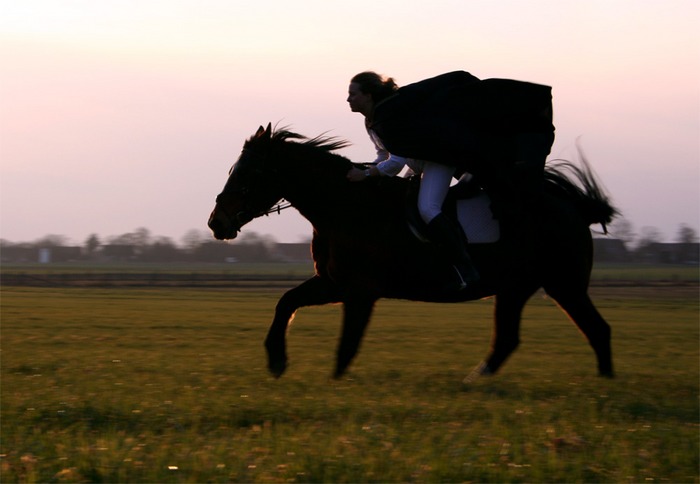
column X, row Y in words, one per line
column 434, row 184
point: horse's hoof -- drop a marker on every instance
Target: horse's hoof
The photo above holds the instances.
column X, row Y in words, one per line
column 277, row 369
column 482, row 369
column 339, row 373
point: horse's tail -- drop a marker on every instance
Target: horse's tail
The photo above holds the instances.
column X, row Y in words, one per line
column 578, row 184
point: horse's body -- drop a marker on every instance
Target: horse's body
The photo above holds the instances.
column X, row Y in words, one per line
column 363, row 249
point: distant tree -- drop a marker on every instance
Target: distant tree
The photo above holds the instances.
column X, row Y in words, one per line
column 686, row 235
column 253, row 238
column 142, row 236
column 163, row 249
column 622, row 229
column 52, row 240
column 212, row 251
column 255, row 247
column 91, row 244
column 649, row 236
column 139, row 238
column 194, row 238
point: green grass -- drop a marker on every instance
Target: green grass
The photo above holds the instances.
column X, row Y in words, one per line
column 645, row 273
column 601, row 272
column 170, row 385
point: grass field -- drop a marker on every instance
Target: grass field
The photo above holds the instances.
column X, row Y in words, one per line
column 639, row 273
column 170, row 385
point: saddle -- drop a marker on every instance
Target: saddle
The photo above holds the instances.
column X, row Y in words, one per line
column 466, row 204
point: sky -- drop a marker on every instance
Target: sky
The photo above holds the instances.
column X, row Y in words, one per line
column 122, row 114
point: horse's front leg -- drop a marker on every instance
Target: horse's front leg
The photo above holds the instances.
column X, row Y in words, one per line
column 356, row 314
column 312, row 292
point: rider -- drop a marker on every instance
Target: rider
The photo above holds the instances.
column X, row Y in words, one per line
column 367, row 90
column 499, row 130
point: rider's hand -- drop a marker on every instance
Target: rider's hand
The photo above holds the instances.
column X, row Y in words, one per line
column 356, row 174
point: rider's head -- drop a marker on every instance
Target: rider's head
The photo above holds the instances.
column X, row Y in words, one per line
column 367, row 89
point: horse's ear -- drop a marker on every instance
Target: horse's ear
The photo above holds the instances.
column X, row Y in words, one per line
column 264, row 132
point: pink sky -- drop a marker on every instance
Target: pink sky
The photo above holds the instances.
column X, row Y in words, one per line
column 116, row 115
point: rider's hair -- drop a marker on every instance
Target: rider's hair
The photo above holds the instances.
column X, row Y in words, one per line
column 377, row 86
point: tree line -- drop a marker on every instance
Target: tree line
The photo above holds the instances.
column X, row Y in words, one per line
column 141, row 246
column 621, row 242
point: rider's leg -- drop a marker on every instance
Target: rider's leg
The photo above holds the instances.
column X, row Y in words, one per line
column 434, row 185
column 435, row 182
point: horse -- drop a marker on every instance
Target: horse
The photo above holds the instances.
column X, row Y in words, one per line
column 363, row 249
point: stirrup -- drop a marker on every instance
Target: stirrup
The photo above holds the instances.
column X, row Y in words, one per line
column 468, row 273
column 462, row 284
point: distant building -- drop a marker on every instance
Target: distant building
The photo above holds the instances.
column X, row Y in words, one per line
column 43, row 255
column 610, row 250
column 215, row 252
column 19, row 253
column 300, row 252
column 687, row 253
column 118, row 252
column 65, row 254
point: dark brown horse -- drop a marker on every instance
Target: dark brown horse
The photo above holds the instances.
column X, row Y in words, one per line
column 363, row 249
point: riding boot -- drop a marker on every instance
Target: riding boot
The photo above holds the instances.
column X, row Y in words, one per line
column 451, row 239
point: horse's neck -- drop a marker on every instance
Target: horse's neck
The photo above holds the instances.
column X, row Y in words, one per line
column 318, row 188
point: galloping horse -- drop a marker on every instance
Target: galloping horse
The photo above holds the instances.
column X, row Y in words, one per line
column 363, row 249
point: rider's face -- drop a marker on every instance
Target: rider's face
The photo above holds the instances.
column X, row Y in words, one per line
column 359, row 102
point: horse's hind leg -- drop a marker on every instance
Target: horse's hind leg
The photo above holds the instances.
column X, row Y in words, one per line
column 584, row 314
column 506, row 335
column 312, row 292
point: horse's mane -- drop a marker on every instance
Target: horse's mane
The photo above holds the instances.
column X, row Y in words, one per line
column 323, row 142
column 329, row 169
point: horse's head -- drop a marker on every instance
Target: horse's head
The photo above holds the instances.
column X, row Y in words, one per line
column 273, row 166
column 250, row 190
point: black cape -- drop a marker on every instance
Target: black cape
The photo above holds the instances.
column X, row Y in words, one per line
column 458, row 119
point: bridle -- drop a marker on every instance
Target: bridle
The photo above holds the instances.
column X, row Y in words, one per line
column 248, row 213
column 242, row 217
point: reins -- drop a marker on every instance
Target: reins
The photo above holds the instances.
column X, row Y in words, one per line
column 244, row 216
column 281, row 205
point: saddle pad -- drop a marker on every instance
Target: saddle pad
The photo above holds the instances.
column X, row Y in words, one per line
column 477, row 220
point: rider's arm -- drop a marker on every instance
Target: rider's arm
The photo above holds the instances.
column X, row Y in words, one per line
column 389, row 167
column 385, row 164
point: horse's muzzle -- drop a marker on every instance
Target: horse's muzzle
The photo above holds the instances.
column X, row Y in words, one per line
column 221, row 227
